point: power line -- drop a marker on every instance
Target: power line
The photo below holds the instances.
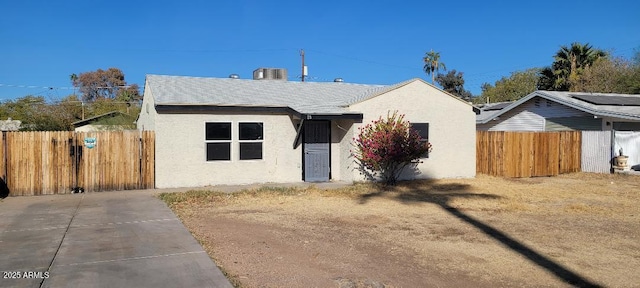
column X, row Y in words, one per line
column 30, row 86
column 471, row 78
column 362, row 60
column 61, row 87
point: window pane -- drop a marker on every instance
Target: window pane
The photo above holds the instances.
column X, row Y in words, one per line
column 422, row 128
column 218, row 151
column 251, row 131
column 251, row 150
column 218, row 131
column 423, row 131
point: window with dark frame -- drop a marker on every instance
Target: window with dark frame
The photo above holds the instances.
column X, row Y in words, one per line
column 250, row 136
column 218, row 141
column 423, row 131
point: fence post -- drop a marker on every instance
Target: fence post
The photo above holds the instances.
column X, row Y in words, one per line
column 72, row 154
column 76, row 154
column 4, row 157
column 140, row 169
column 611, row 149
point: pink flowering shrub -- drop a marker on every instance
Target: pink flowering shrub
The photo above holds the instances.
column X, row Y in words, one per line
column 386, row 147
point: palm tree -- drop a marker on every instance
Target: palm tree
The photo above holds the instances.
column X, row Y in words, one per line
column 571, row 61
column 432, row 64
column 546, row 79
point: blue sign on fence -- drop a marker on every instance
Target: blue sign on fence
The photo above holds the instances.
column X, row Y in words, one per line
column 90, row 142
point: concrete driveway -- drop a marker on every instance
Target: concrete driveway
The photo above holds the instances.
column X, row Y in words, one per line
column 105, row 239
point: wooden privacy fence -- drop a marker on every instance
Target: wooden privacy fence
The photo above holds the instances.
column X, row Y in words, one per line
column 528, row 154
column 38, row 163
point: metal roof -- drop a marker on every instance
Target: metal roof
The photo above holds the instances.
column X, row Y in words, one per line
column 490, row 110
column 602, row 99
column 304, row 97
column 10, row 125
column 572, row 99
column 95, row 118
column 496, row 106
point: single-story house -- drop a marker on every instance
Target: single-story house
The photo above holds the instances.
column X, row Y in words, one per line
column 619, row 114
column 212, row 131
column 562, row 111
column 114, row 120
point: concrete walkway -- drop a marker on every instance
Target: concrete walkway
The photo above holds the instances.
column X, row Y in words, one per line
column 103, row 239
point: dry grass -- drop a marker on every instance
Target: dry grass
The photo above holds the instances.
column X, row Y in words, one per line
column 586, row 223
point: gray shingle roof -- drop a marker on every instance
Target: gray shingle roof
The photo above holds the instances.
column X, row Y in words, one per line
column 565, row 98
column 304, row 97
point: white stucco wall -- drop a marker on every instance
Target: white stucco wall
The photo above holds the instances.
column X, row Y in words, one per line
column 148, row 114
column 452, row 128
column 341, row 137
column 343, row 151
column 181, row 152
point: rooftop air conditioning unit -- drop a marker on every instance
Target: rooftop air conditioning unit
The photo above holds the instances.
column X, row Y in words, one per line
column 270, row 74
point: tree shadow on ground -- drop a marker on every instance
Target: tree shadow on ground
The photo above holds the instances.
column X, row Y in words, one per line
column 430, row 191
column 425, row 191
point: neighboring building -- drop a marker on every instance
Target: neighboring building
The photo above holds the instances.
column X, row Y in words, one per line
column 212, row 131
column 561, row 111
column 10, row 125
column 114, row 120
column 489, row 110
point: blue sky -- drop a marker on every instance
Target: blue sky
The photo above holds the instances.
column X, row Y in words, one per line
column 371, row 42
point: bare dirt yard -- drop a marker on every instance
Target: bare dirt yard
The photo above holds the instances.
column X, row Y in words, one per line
column 572, row 230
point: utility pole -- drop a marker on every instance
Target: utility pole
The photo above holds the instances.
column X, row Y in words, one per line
column 303, row 67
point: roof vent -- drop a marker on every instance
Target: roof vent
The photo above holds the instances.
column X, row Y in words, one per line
column 270, row 74
column 338, row 80
column 234, row 76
